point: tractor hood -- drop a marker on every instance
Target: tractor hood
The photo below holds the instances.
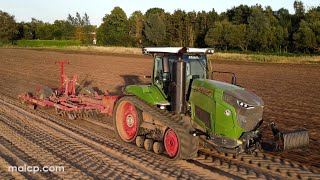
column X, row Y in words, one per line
column 247, row 106
column 210, row 87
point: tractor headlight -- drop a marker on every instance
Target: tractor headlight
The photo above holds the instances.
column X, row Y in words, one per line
column 244, row 105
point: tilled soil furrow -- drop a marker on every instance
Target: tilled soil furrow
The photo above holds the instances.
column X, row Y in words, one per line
column 53, row 144
column 260, row 163
column 139, row 159
column 40, row 155
column 25, row 157
column 4, row 168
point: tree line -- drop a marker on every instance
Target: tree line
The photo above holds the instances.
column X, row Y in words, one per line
column 73, row 28
column 242, row 28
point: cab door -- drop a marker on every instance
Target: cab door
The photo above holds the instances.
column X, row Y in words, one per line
column 161, row 75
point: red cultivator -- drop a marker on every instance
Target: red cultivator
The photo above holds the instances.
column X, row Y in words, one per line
column 67, row 101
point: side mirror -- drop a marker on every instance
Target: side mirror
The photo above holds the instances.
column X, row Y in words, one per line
column 233, row 79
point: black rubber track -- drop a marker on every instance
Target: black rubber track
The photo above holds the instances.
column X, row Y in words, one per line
column 188, row 144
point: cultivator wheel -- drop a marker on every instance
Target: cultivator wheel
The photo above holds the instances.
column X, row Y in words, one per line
column 126, row 120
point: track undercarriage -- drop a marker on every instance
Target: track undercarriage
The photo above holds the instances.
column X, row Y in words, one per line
column 154, row 129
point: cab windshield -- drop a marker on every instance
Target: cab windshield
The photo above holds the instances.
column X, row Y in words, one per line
column 196, row 64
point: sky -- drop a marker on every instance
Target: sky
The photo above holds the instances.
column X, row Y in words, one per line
column 51, row 10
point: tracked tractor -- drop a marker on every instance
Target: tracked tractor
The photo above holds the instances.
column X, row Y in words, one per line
column 184, row 105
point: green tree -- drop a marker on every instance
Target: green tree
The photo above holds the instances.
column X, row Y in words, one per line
column 114, row 29
column 82, row 28
column 178, row 21
column 239, row 15
column 212, row 17
column 136, row 27
column 191, row 21
column 214, row 37
column 8, row 27
column 259, row 30
column 155, row 29
column 313, row 19
column 158, row 11
column 63, row 30
column 236, row 36
column 44, row 31
column 305, row 39
column 285, row 21
column 299, row 8
column 201, row 28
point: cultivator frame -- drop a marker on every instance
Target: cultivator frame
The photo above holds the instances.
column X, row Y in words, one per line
column 67, row 102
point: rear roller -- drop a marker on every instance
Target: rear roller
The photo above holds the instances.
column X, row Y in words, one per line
column 126, row 121
column 293, row 140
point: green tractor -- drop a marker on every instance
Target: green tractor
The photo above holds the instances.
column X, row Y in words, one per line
column 183, row 106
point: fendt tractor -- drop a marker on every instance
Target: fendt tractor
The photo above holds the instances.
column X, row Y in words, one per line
column 181, row 107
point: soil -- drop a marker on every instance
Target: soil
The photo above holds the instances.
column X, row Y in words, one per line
column 290, row 91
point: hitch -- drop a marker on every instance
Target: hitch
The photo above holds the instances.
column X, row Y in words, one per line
column 287, row 140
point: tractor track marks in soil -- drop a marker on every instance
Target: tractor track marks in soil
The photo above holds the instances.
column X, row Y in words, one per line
column 88, row 152
column 257, row 165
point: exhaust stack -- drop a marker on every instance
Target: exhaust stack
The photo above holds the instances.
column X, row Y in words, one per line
column 178, row 87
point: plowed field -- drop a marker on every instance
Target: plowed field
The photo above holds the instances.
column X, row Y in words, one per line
column 290, row 93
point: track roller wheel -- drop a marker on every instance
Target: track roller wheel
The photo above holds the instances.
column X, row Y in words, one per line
column 126, row 120
column 171, row 143
column 148, row 144
column 140, row 141
column 158, row 147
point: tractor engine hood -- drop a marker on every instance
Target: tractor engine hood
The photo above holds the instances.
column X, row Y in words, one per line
column 248, row 106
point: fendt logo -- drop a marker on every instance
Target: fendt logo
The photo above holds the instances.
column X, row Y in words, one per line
column 203, row 90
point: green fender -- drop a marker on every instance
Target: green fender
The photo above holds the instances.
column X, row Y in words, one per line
column 148, row 93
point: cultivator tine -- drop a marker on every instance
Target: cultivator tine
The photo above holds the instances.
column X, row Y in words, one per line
column 81, row 114
column 86, row 114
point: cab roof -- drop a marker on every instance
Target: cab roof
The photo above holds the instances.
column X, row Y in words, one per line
column 177, row 50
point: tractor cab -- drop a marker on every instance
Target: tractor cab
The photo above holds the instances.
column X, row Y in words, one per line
column 196, row 65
